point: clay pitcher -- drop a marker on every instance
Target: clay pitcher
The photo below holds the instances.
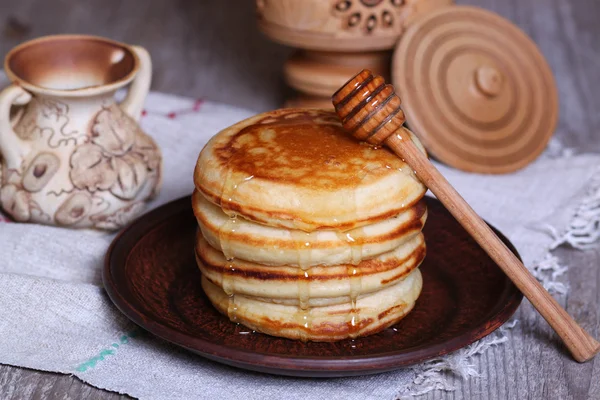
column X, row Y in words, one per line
column 71, row 154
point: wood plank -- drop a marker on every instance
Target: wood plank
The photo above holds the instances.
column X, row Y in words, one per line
column 21, row 383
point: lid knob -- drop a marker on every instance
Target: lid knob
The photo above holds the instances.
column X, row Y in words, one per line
column 488, row 81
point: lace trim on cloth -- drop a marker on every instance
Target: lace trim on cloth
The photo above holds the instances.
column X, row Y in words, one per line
column 584, row 230
column 436, row 374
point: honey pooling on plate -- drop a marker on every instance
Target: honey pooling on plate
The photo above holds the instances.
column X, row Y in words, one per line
column 305, row 232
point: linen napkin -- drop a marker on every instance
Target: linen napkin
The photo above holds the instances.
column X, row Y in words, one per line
column 55, row 315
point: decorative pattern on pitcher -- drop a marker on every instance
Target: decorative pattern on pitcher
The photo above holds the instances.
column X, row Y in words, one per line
column 103, row 182
column 119, row 158
column 370, row 16
column 343, row 18
column 17, row 201
column 48, row 118
column 74, row 209
column 41, row 170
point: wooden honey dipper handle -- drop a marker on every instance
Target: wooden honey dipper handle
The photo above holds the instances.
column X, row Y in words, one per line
column 370, row 110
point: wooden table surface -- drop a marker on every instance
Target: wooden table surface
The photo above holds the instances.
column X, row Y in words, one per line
column 211, row 49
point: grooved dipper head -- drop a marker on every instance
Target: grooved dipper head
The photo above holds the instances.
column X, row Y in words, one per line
column 368, row 107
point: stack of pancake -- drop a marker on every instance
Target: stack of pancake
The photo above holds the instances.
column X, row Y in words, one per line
column 306, row 233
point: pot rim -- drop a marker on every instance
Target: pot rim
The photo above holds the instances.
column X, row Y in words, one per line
column 80, row 92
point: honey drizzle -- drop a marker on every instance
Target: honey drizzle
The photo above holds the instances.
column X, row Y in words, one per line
column 226, row 231
column 303, row 241
column 232, row 309
column 303, row 316
column 304, row 320
column 229, row 289
column 303, row 289
column 355, row 276
column 355, row 240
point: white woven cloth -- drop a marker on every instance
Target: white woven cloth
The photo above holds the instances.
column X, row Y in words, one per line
column 55, row 315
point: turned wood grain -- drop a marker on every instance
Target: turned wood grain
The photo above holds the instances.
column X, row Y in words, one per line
column 334, row 36
column 565, row 31
column 475, row 89
column 321, row 73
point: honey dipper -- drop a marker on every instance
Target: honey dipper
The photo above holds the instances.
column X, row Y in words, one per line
column 370, row 111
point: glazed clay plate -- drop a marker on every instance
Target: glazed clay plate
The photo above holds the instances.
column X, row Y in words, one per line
column 151, row 275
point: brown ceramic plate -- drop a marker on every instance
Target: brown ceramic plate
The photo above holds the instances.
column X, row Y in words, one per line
column 151, row 275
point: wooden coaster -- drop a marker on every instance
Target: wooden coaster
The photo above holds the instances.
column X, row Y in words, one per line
column 475, row 89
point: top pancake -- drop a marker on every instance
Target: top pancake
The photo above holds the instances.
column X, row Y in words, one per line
column 298, row 168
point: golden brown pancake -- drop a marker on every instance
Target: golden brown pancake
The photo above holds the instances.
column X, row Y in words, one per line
column 298, row 169
column 263, row 244
column 306, row 233
column 315, row 286
column 370, row 314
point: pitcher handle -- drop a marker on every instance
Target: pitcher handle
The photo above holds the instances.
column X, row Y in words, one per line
column 134, row 101
column 12, row 147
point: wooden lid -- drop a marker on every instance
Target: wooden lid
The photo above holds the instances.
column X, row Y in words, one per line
column 475, row 89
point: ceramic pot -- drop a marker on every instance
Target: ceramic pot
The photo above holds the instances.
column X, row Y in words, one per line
column 341, row 25
column 71, row 154
column 336, row 38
